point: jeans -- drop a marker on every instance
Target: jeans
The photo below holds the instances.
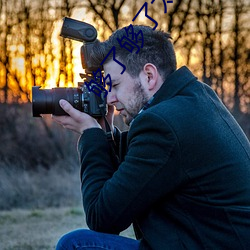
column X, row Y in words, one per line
column 89, row 240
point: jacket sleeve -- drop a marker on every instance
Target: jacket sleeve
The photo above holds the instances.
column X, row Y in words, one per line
column 113, row 199
column 120, row 140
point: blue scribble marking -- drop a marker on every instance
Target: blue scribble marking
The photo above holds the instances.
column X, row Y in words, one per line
column 96, row 88
column 128, row 44
column 113, row 50
column 131, row 40
column 138, row 37
column 95, row 85
column 165, row 6
column 146, row 14
column 98, row 76
column 107, row 81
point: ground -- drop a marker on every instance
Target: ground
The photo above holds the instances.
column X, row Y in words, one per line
column 40, row 229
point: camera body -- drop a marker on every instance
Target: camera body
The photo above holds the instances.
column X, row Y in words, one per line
column 46, row 101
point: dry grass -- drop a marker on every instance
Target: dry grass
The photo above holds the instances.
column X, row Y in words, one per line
column 41, row 188
column 40, row 229
column 39, row 183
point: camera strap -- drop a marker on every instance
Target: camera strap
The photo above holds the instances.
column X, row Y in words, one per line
column 111, row 140
column 109, row 133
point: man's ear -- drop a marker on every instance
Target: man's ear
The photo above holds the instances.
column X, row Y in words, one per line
column 152, row 75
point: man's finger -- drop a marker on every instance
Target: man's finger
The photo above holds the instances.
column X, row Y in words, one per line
column 68, row 108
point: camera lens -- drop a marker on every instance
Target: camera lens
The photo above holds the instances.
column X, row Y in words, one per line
column 46, row 101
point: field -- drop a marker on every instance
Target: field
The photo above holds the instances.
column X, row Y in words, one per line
column 40, row 229
column 40, row 197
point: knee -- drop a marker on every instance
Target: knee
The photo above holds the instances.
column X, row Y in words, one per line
column 64, row 242
column 69, row 240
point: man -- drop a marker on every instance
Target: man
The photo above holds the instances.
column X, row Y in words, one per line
column 183, row 174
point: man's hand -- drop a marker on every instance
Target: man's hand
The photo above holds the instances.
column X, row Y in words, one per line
column 76, row 121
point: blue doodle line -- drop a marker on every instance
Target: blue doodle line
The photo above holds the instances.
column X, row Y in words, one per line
column 125, row 45
column 165, row 6
column 146, row 14
column 113, row 49
column 94, row 87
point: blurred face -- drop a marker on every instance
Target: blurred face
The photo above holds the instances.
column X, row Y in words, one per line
column 128, row 94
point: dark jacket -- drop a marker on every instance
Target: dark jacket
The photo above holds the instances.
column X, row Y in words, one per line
column 185, row 179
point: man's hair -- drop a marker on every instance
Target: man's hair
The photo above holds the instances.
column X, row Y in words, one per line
column 157, row 49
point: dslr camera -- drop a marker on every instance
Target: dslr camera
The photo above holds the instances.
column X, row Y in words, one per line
column 46, row 101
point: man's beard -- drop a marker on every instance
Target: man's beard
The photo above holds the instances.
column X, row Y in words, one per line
column 135, row 104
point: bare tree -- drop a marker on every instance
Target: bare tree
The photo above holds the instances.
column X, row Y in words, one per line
column 66, row 8
column 211, row 36
column 108, row 12
column 4, row 56
column 11, row 77
column 239, row 53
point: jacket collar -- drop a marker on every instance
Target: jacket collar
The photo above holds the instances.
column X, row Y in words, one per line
column 173, row 84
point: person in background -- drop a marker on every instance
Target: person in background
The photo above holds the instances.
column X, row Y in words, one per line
column 180, row 175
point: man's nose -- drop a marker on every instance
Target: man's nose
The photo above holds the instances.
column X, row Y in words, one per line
column 111, row 98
